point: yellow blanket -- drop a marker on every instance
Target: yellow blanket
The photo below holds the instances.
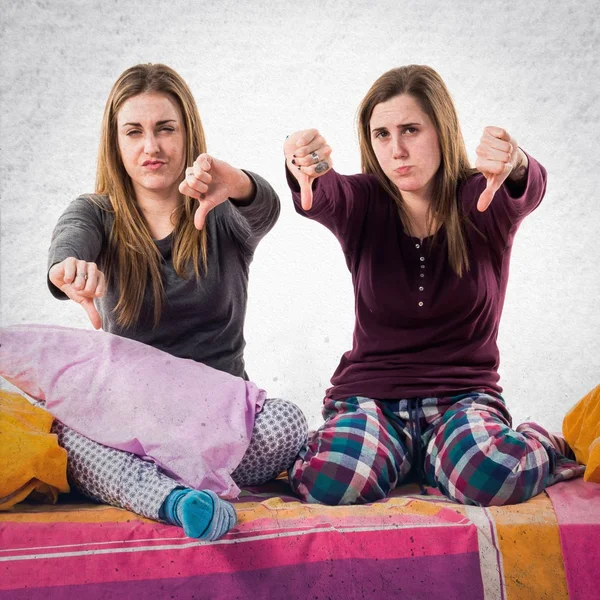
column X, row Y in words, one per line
column 31, row 461
column 581, row 429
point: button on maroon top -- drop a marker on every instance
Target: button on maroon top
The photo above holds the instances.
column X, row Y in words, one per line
column 420, row 330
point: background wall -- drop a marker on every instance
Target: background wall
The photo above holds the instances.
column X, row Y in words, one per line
column 265, row 69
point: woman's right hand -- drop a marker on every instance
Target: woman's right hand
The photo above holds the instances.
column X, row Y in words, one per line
column 81, row 281
column 308, row 156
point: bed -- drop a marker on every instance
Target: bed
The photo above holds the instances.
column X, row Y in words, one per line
column 407, row 546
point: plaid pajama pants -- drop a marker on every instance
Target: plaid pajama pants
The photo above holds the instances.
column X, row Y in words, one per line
column 464, row 445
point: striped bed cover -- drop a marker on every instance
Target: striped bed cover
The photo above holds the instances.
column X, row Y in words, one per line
column 408, row 546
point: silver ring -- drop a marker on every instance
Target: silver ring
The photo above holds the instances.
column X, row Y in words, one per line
column 315, row 157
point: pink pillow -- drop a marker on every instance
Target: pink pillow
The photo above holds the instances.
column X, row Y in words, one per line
column 193, row 421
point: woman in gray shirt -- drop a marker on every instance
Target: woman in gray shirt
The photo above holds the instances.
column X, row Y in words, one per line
column 160, row 254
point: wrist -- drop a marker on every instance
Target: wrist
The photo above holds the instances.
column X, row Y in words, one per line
column 519, row 171
column 244, row 190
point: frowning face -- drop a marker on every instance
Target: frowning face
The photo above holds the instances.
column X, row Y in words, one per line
column 406, row 144
column 151, row 139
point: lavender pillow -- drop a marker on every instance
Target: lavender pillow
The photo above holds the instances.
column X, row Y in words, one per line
column 193, row 421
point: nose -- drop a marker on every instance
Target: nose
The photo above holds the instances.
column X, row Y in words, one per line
column 399, row 148
column 151, row 146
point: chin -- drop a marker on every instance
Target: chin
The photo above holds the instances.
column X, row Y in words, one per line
column 156, row 184
column 410, row 188
column 405, row 185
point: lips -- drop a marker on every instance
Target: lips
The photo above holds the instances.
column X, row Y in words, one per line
column 402, row 170
column 153, row 165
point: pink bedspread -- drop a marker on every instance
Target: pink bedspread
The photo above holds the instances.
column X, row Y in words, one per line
column 577, row 507
column 407, row 546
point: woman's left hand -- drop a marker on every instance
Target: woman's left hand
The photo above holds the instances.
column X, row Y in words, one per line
column 212, row 181
column 497, row 156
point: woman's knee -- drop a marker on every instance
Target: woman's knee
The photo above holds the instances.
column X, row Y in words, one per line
column 279, row 434
column 345, row 463
column 286, row 424
column 490, row 467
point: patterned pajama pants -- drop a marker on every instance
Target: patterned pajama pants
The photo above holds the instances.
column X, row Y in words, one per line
column 464, row 445
column 125, row 480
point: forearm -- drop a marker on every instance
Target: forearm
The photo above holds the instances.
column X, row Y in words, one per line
column 260, row 212
column 78, row 234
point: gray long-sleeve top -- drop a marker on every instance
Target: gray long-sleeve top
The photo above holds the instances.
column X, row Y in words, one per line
column 201, row 320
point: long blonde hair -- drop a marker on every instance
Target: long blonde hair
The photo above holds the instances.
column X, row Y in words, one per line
column 427, row 87
column 133, row 257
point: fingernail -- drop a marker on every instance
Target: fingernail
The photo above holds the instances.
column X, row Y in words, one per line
column 299, row 169
column 294, row 155
column 293, row 161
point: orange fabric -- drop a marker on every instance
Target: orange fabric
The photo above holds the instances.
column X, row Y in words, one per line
column 581, row 428
column 532, row 557
column 31, row 461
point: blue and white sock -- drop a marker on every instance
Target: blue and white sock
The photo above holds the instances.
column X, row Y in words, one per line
column 202, row 514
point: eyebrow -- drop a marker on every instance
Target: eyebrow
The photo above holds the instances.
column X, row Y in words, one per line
column 401, row 126
column 158, row 123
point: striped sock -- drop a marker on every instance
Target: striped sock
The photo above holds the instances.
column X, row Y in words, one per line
column 202, row 514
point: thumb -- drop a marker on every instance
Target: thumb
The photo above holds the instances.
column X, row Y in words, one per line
column 202, row 211
column 306, row 193
column 486, row 197
column 93, row 314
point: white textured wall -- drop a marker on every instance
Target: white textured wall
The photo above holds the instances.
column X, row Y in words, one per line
column 262, row 70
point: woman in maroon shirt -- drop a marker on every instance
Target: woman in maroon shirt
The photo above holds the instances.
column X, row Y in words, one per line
column 427, row 240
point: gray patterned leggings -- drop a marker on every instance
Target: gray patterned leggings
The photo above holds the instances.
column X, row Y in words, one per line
column 122, row 479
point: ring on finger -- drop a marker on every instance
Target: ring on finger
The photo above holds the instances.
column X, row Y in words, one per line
column 84, row 275
column 315, row 157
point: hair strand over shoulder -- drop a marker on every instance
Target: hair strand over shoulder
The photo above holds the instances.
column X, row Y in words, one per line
column 133, row 260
